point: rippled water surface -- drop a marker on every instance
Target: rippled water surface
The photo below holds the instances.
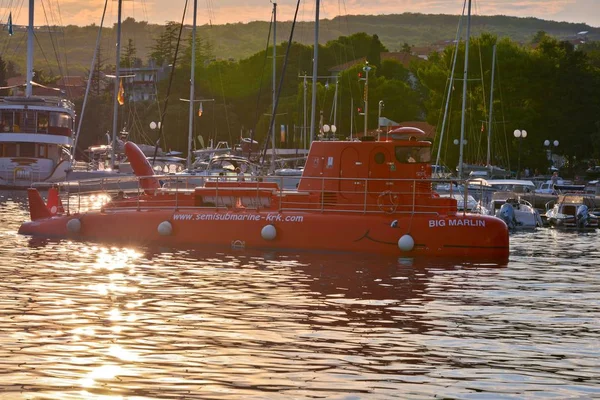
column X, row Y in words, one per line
column 85, row 321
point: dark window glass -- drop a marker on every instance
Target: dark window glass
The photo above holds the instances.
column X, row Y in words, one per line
column 27, row 149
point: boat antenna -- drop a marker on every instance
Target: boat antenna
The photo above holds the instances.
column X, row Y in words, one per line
column 287, row 53
column 89, row 82
column 450, row 85
column 164, row 111
column 464, row 99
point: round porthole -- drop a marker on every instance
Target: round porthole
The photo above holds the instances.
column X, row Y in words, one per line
column 379, row 158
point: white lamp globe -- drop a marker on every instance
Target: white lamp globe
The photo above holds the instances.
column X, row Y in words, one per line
column 546, row 143
column 325, row 128
column 523, row 133
column 333, row 128
column 556, row 143
column 517, row 133
column 152, row 125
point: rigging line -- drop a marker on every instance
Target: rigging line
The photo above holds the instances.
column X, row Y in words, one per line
column 43, row 53
column 485, row 113
column 164, row 111
column 208, row 49
column 62, row 30
column 450, row 83
column 260, row 87
column 51, row 41
column 285, row 63
column 89, row 82
column 503, row 114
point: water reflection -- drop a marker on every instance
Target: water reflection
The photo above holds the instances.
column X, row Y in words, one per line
column 80, row 320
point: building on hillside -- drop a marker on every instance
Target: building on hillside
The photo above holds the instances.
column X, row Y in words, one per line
column 69, row 86
column 139, row 83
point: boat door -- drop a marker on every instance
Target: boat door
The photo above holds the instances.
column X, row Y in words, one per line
column 352, row 173
column 380, row 166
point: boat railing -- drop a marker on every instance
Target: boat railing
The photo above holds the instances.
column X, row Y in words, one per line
column 21, row 174
column 334, row 195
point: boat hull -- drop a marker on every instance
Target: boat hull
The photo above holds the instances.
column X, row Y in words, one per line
column 455, row 235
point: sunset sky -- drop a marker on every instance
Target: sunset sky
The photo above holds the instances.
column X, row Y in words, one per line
column 86, row 12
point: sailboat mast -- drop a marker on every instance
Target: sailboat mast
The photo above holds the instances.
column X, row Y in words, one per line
column 304, row 115
column 274, row 85
column 116, row 94
column 464, row 99
column 28, row 89
column 489, row 136
column 192, row 89
column 314, row 77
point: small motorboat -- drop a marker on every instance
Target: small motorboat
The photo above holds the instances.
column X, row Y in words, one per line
column 572, row 211
column 516, row 212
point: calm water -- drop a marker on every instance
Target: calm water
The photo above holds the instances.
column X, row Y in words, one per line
column 84, row 321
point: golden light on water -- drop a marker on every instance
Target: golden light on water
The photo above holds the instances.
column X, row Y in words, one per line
column 119, row 352
column 105, row 372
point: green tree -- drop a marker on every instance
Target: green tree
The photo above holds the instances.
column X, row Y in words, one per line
column 375, row 49
column 128, row 58
column 163, row 50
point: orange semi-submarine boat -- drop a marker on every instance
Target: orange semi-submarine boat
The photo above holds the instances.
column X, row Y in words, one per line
column 353, row 196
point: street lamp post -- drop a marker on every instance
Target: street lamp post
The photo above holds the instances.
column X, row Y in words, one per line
column 549, row 145
column 520, row 135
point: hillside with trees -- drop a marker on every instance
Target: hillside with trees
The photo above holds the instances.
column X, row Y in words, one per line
column 74, row 45
column 544, row 85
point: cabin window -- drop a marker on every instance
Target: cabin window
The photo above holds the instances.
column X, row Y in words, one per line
column 379, row 158
column 43, row 151
column 28, row 122
column 6, row 122
column 10, row 150
column 16, row 121
column 60, row 120
column 42, row 122
column 27, row 149
column 413, row 154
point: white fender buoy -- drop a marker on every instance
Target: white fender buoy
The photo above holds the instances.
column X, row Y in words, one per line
column 268, row 232
column 406, row 243
column 165, row 228
column 74, row 225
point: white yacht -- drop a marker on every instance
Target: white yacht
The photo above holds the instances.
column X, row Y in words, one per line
column 36, row 132
column 35, row 139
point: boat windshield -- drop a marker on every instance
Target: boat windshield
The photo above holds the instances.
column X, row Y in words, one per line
column 413, row 154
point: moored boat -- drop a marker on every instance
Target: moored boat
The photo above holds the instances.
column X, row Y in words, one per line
column 572, row 211
column 352, row 196
column 518, row 213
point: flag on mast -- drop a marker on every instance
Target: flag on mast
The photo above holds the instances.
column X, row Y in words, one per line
column 200, row 110
column 121, row 94
column 9, row 24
